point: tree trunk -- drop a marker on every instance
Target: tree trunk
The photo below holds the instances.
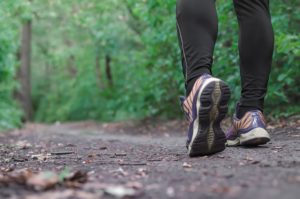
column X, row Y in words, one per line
column 23, row 74
column 71, row 66
column 98, row 71
column 108, row 70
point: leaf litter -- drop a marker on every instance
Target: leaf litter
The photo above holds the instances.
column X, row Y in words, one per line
column 50, row 180
column 43, row 180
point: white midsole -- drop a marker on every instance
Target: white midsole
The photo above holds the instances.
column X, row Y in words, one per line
column 254, row 134
column 198, row 106
column 235, row 142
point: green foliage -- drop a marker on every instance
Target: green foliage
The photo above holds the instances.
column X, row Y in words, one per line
column 284, row 91
column 140, row 37
column 9, row 112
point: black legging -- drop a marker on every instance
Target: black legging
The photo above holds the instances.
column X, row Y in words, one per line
column 197, row 27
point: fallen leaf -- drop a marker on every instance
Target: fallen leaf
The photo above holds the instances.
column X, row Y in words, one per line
column 120, row 191
column 135, row 185
column 42, row 181
column 78, row 176
column 142, row 172
column 186, row 165
column 170, row 192
column 23, row 144
column 16, row 177
column 221, row 156
column 248, row 158
column 76, row 179
column 277, row 147
column 8, row 169
column 41, row 157
column 66, row 194
column 120, row 171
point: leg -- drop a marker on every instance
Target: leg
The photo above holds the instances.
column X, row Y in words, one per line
column 197, row 28
column 206, row 103
column 255, row 49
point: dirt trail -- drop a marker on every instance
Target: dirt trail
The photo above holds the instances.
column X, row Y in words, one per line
column 153, row 164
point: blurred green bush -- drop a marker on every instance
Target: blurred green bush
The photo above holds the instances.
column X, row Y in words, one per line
column 72, row 39
column 10, row 113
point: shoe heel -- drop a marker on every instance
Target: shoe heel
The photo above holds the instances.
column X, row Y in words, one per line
column 210, row 138
column 255, row 137
column 223, row 105
column 200, row 145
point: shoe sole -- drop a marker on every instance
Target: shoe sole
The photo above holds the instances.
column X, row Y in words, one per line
column 232, row 143
column 255, row 137
column 212, row 105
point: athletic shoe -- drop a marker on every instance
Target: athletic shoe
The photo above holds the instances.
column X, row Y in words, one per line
column 205, row 108
column 248, row 131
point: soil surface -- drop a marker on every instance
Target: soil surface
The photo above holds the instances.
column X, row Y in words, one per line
column 145, row 160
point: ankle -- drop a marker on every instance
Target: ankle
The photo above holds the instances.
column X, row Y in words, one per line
column 191, row 83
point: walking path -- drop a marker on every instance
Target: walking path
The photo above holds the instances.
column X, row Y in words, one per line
column 116, row 162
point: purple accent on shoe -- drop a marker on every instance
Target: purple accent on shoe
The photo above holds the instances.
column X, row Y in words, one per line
column 231, row 134
column 255, row 123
